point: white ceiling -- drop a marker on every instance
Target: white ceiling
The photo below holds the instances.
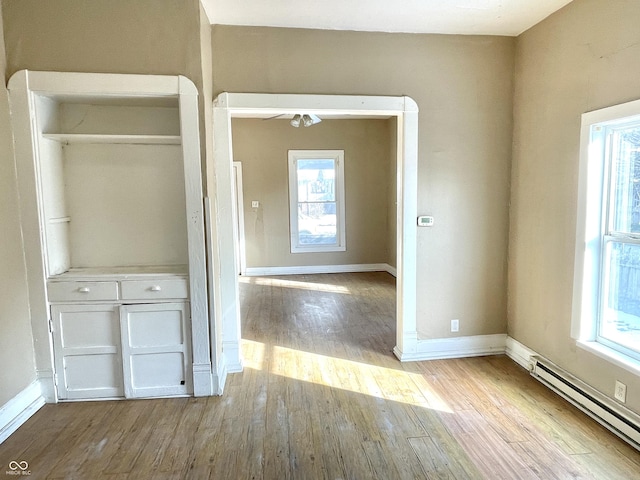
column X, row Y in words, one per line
column 468, row 17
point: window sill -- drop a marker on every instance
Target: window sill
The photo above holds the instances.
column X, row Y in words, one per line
column 611, row 355
column 315, row 249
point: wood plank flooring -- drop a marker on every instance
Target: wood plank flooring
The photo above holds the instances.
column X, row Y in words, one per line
column 322, row 397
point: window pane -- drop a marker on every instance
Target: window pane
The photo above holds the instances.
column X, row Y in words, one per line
column 621, row 310
column 317, row 224
column 625, row 180
column 316, row 180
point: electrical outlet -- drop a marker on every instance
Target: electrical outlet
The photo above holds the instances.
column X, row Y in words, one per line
column 620, row 392
column 455, row 325
column 255, row 204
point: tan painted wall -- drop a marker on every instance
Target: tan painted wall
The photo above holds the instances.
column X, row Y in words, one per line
column 463, row 87
column 206, row 94
column 585, row 57
column 17, row 363
column 117, row 36
column 262, row 148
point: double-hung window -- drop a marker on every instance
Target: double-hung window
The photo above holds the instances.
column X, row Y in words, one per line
column 607, row 294
column 316, row 201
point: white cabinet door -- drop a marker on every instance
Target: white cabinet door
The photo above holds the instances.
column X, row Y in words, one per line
column 87, row 351
column 156, row 349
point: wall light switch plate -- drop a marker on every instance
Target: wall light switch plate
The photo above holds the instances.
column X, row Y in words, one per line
column 255, row 204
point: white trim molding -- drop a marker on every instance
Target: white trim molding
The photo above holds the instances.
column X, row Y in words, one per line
column 19, row 409
column 312, row 269
column 455, row 347
column 520, row 354
column 224, row 246
column 220, row 377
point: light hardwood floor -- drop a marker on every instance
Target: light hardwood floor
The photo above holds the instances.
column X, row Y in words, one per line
column 322, row 396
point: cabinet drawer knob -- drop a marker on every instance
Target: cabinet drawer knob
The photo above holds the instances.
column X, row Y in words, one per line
column 155, row 288
column 84, row 290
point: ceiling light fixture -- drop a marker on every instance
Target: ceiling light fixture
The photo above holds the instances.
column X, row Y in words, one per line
column 306, row 119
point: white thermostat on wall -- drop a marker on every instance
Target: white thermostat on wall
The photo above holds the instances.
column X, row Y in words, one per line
column 425, row 221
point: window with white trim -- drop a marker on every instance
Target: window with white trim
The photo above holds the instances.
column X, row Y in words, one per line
column 607, row 293
column 316, row 201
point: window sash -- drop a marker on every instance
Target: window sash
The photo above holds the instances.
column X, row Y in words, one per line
column 613, row 316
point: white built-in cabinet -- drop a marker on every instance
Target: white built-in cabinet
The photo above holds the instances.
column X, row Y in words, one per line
column 111, row 201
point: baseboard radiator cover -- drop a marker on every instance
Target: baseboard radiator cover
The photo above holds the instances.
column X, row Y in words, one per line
column 619, row 420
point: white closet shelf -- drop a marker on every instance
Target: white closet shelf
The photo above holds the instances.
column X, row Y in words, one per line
column 122, row 139
column 125, row 272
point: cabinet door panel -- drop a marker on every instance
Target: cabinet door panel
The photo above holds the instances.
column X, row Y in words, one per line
column 89, row 329
column 158, row 370
column 87, row 373
column 156, row 328
column 87, row 351
column 156, row 349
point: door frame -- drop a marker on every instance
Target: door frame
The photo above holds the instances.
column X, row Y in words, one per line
column 238, row 224
column 255, row 105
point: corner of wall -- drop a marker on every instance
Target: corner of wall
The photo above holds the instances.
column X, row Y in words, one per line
column 19, row 409
column 17, row 357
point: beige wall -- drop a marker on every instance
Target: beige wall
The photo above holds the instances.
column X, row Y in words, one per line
column 262, row 148
column 585, row 57
column 463, row 87
column 206, row 94
column 17, row 363
column 117, row 36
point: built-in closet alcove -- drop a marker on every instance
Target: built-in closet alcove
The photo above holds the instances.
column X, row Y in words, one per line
column 112, row 217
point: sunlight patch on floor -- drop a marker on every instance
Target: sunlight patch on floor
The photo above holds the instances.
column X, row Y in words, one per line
column 253, row 353
column 278, row 282
column 380, row 382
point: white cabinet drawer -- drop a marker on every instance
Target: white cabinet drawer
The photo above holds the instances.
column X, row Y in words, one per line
column 82, row 291
column 154, row 289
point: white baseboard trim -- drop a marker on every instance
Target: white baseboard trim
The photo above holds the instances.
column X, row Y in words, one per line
column 220, row 377
column 45, row 378
column 19, row 409
column 202, row 383
column 520, row 354
column 456, row 347
column 311, row 269
column 232, row 356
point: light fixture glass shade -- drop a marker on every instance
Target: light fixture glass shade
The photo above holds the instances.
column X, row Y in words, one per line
column 306, row 120
column 295, row 121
